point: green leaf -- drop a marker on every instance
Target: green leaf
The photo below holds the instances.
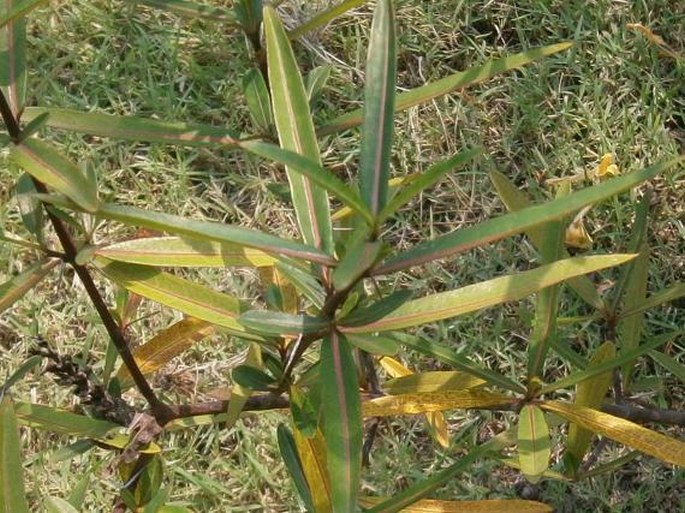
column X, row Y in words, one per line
column 258, row 100
column 12, row 492
column 18, row 374
column 296, row 133
column 488, row 293
column 516, row 222
column 71, row 451
column 313, row 455
column 305, row 282
column 45, row 163
column 432, row 381
column 376, row 310
column 358, row 259
column 185, row 296
column 313, row 171
column 324, row 17
column 280, row 323
column 426, row 486
column 14, row 9
column 379, row 107
column 62, row 421
column 316, row 81
column 547, row 301
column 578, row 376
column 460, row 362
column 249, row 14
column 288, row 449
column 185, row 252
column 663, row 296
column 534, row 446
column 131, row 128
column 667, row 449
column 342, row 421
column 15, row 288
column 670, row 364
column 194, row 10
column 374, row 344
column 589, row 393
column 252, row 378
column 630, row 328
column 213, row 231
column 425, row 180
column 57, row 505
column 516, row 200
column 13, row 55
column 449, row 84
column 30, row 208
column 164, row 346
column 239, row 393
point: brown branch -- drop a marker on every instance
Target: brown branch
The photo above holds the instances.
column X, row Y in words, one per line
column 254, row 403
column 642, row 415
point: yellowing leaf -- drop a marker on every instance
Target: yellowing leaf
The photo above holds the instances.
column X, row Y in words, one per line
column 533, row 442
column 484, row 506
column 312, row 452
column 435, row 420
column 432, row 381
column 633, row 435
column 163, row 347
column 577, row 236
column 412, row 404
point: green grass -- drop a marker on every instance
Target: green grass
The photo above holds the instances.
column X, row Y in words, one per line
column 613, row 92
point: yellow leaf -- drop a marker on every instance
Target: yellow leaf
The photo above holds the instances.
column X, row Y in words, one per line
column 606, row 168
column 312, row 452
column 436, row 420
column 413, row 404
column 432, row 381
column 164, row 346
column 633, row 435
column 484, row 506
column 577, row 236
column 655, row 40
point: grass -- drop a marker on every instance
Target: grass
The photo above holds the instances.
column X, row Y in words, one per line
column 613, row 92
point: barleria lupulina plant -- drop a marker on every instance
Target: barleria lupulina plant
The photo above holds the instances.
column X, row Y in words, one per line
column 328, row 325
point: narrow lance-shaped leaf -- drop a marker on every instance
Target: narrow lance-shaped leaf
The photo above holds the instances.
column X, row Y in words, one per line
column 547, row 300
column 324, row 17
column 589, row 393
column 163, row 347
column 516, row 222
column 357, row 261
column 379, row 107
column 434, row 418
column 427, row 402
column 15, row 9
column 288, row 449
column 431, row 381
column 194, row 10
column 58, row 505
column 313, row 455
column 213, row 231
column 342, row 421
column 488, row 293
column 61, row 421
column 425, row 180
column 258, row 100
column 15, row 288
column 671, row 293
column 669, row 363
column 296, row 133
column 280, row 323
column 185, row 252
column 534, row 445
column 630, row 328
column 185, row 296
column 515, row 200
column 628, row 433
column 446, row 85
column 45, row 163
column 20, row 372
column 12, row 491
column 13, row 57
column 311, row 170
column 131, row 128
column 482, row 506
column 599, row 368
column 239, row 393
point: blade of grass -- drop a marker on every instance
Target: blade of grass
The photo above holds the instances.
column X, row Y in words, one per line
column 12, row 491
column 15, row 288
column 324, row 17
